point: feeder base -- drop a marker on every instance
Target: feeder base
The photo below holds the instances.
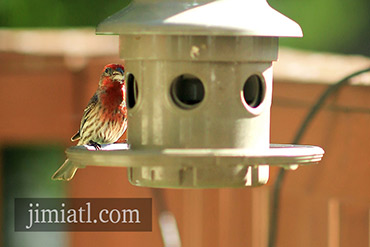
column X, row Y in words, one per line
column 197, row 177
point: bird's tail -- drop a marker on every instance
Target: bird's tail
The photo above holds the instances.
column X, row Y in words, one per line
column 65, row 172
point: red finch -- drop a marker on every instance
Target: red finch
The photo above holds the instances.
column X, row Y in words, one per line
column 105, row 117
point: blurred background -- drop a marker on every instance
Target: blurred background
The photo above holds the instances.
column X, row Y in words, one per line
column 331, row 25
column 50, row 62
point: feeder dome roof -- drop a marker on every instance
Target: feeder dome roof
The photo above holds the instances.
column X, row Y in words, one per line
column 200, row 17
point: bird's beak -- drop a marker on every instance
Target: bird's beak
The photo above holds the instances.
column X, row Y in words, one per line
column 118, row 76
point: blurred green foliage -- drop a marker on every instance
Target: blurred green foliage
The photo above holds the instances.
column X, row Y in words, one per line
column 57, row 13
column 328, row 25
column 26, row 172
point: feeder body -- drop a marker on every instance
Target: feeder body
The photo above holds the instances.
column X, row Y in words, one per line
column 221, row 119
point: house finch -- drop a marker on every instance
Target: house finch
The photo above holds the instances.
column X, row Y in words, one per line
column 105, row 117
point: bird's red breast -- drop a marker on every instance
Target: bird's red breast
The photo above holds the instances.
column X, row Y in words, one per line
column 112, row 94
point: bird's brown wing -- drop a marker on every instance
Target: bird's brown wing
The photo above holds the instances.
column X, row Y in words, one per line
column 90, row 105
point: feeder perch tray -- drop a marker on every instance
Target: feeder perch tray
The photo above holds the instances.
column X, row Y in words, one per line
column 196, row 168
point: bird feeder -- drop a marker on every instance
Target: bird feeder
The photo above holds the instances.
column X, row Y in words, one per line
column 199, row 92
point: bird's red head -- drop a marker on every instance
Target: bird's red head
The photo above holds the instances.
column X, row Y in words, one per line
column 113, row 72
column 112, row 86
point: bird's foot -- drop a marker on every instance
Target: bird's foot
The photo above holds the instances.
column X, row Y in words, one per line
column 96, row 145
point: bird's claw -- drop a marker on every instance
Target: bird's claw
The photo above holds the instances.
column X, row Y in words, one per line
column 96, row 145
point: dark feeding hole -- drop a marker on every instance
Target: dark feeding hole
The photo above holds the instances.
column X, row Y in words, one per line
column 187, row 91
column 253, row 91
column 132, row 91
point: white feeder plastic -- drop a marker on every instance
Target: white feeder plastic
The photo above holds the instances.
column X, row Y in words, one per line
column 199, row 92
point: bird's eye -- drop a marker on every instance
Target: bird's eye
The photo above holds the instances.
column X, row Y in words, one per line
column 108, row 71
